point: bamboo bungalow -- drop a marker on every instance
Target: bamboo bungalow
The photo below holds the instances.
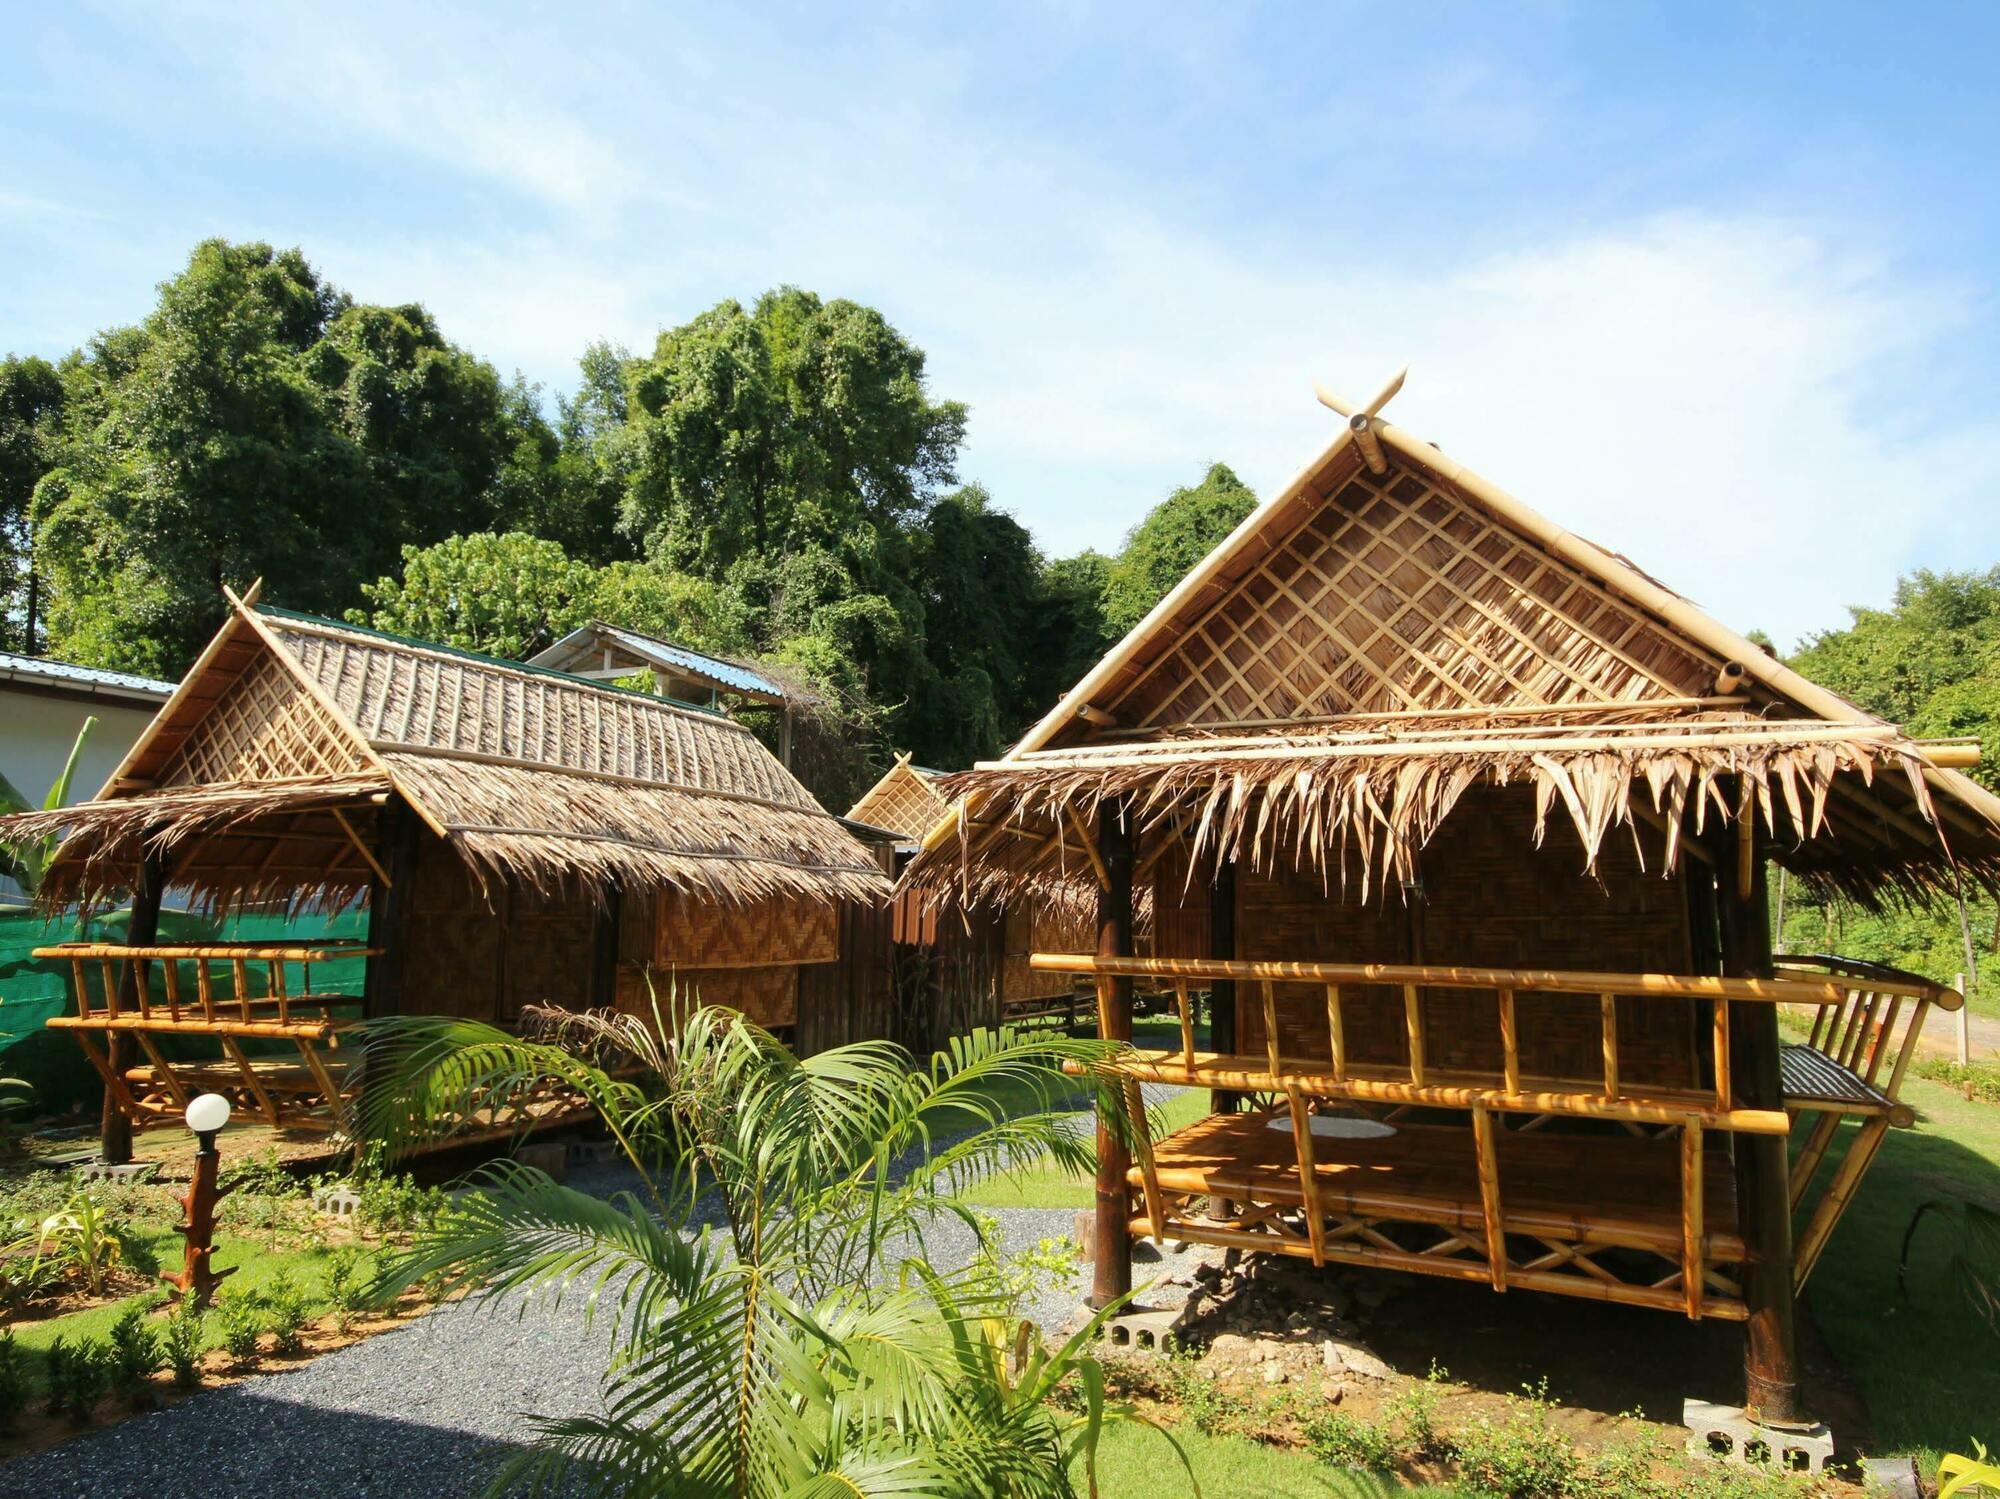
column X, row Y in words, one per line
column 520, row 836
column 1464, row 824
column 978, row 953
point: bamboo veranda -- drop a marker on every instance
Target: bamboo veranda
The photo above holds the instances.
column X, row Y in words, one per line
column 1461, row 825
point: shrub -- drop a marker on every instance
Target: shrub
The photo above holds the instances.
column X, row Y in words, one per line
column 183, row 1344
column 1979, row 1082
column 262, row 1175
column 1349, row 1442
column 78, row 1375
column 346, row 1286
column 239, row 1323
column 1413, row 1413
column 135, row 1352
column 1203, row 1402
column 290, row 1308
column 1521, row 1457
column 13, row 1379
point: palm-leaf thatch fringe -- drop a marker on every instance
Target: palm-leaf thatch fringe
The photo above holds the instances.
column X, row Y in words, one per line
column 1356, row 814
column 104, row 841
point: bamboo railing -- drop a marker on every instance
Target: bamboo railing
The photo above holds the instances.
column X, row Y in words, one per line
column 237, row 991
column 1839, row 1073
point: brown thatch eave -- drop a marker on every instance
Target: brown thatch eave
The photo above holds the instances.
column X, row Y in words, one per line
column 1849, row 808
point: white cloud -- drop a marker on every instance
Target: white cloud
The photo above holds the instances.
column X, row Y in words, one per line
column 1695, row 391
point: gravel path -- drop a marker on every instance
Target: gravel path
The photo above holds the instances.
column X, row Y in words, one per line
column 424, row 1411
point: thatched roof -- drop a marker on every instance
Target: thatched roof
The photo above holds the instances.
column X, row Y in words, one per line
column 265, row 773
column 905, row 801
column 1367, row 645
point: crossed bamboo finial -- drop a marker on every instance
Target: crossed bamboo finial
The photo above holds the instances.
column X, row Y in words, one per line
column 1361, row 420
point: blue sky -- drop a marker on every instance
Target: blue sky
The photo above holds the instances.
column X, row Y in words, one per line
column 1714, row 285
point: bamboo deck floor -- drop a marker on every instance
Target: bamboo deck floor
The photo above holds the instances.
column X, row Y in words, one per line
column 1577, row 1188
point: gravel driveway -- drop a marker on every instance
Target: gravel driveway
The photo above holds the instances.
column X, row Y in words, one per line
column 424, row 1411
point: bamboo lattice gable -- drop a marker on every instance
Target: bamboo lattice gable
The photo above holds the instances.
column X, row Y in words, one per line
column 1367, row 646
column 905, row 800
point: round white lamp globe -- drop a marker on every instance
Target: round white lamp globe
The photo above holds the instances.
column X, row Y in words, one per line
column 208, row 1113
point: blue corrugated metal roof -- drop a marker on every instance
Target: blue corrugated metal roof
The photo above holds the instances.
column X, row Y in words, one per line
column 81, row 676
column 725, row 673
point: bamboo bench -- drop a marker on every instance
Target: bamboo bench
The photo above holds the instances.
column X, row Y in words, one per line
column 224, row 1005
column 1602, row 1186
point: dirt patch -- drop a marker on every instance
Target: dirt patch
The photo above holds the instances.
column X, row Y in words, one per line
column 1291, row 1342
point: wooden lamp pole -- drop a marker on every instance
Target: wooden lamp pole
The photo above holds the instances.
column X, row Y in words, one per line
column 197, row 1280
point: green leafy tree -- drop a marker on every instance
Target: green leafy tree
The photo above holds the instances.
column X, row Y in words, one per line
column 1930, row 662
column 1068, row 631
column 761, row 430
column 507, row 595
column 31, row 408
column 1176, row 534
column 258, row 423
column 806, row 1345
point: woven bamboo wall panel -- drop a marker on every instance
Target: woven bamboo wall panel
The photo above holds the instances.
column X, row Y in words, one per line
column 690, row 932
column 1489, row 898
column 453, row 959
column 1291, row 915
column 264, row 727
column 1180, row 907
column 1398, row 594
column 1034, row 926
column 768, row 996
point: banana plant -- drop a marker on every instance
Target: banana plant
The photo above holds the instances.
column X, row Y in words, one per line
column 26, row 860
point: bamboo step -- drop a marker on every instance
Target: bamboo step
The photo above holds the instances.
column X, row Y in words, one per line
column 1574, row 1188
column 274, row 1074
column 1815, row 1082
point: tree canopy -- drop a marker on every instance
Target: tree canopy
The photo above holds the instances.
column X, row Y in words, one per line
column 774, row 479
column 1176, row 534
column 260, row 423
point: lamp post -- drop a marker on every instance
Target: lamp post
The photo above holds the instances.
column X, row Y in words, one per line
column 206, row 1116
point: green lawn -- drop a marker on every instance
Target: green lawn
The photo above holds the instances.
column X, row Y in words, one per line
column 1930, row 1371
column 1134, row 1463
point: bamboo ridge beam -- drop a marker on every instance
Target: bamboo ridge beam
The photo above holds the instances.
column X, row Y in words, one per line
column 1737, row 737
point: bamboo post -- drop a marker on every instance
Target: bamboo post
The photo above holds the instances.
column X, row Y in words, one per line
column 1270, row 992
column 1222, row 992
column 1805, row 1165
column 1111, row 1265
column 1510, row 1042
column 1336, row 1033
column 1723, row 1091
column 1694, row 1259
column 1486, row 1148
column 1413, row 1024
column 1607, row 1005
column 1187, row 1021
column 1962, row 1026
column 114, row 1123
column 1770, row 1365
column 1142, row 1139
column 1860, row 1151
column 1309, row 1199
